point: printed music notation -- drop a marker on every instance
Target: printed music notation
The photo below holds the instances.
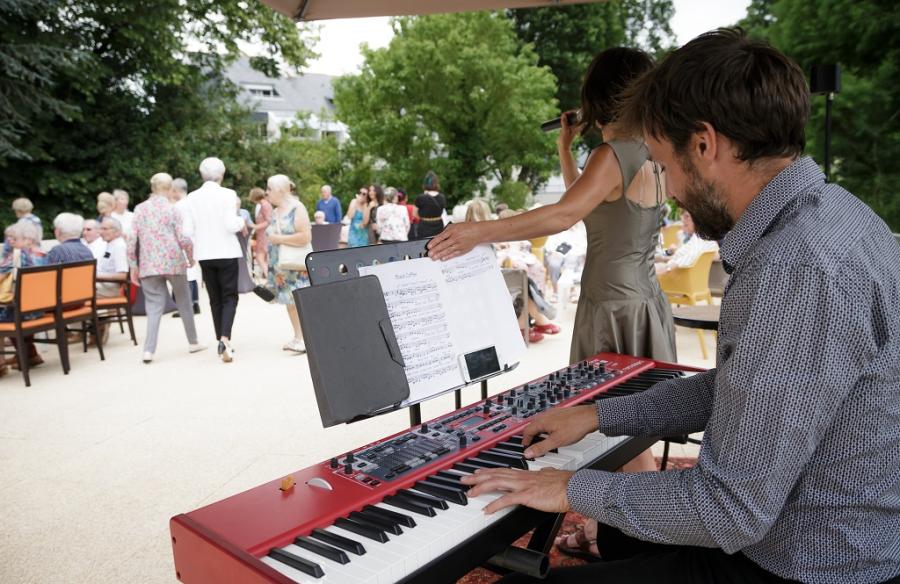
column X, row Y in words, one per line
column 413, row 295
column 468, row 267
column 440, row 310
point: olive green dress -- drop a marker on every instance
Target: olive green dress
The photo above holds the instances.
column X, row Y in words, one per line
column 622, row 308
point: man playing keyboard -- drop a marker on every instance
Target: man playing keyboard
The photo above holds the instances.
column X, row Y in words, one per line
column 798, row 476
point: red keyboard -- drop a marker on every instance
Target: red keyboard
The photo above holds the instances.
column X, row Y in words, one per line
column 395, row 510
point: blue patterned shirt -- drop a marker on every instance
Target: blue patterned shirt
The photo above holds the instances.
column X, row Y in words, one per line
column 71, row 250
column 800, row 463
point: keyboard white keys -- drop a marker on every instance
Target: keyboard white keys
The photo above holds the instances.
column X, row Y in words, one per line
column 376, row 559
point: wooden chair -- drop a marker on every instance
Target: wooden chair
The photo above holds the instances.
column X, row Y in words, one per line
column 78, row 304
column 669, row 235
column 36, row 289
column 690, row 285
column 118, row 310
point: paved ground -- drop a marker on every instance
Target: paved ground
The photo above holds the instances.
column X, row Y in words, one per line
column 95, row 463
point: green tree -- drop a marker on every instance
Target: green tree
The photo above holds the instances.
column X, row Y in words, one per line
column 566, row 38
column 456, row 93
column 863, row 36
column 147, row 95
column 28, row 64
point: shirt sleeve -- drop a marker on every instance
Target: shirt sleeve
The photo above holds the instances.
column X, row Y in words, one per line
column 184, row 242
column 120, row 257
column 676, row 406
column 131, row 246
column 776, row 394
column 233, row 221
column 337, row 211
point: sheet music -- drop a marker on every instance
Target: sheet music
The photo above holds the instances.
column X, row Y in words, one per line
column 413, row 294
column 441, row 310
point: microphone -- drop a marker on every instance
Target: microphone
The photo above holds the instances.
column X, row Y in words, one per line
column 555, row 123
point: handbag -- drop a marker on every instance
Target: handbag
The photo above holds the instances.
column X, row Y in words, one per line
column 7, row 284
column 291, row 257
column 264, row 293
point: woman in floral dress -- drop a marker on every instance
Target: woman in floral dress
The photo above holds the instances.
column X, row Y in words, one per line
column 289, row 227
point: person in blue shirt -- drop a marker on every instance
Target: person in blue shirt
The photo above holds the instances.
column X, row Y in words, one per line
column 329, row 205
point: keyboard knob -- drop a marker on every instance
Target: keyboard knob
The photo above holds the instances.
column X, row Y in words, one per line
column 334, row 463
column 348, row 468
column 423, row 429
column 601, row 367
column 514, row 410
column 349, row 457
column 462, row 441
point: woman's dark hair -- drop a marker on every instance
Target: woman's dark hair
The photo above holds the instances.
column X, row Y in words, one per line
column 746, row 89
column 609, row 74
column 431, row 182
column 379, row 194
column 401, row 196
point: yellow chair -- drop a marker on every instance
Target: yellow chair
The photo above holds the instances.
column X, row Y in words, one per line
column 537, row 247
column 669, row 235
column 689, row 286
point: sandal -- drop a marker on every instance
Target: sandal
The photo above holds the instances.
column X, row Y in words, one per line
column 577, row 545
column 534, row 336
column 547, row 329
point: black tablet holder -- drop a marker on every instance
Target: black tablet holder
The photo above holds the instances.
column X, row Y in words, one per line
column 354, row 361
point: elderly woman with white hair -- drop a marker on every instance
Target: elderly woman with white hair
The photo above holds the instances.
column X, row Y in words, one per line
column 159, row 253
column 21, row 249
column 290, row 239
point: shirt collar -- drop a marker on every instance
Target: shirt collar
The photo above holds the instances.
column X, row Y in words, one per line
column 765, row 208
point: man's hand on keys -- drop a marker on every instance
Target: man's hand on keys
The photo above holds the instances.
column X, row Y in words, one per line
column 563, row 426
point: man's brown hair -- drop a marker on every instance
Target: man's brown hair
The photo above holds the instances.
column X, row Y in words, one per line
column 744, row 88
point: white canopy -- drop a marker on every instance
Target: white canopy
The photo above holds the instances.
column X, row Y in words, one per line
column 327, row 9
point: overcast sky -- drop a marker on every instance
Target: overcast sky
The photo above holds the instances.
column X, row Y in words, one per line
column 340, row 39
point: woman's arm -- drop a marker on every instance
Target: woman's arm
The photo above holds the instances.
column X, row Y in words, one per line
column 303, row 232
column 567, row 161
column 600, row 179
column 351, row 209
column 367, row 214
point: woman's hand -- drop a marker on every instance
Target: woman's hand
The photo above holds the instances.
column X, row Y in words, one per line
column 135, row 277
column 567, row 133
column 455, row 240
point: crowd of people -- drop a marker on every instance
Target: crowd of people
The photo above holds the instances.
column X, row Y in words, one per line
column 175, row 239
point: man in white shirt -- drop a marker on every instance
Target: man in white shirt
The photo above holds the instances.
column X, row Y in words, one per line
column 690, row 251
column 90, row 236
column 113, row 263
column 121, row 212
column 211, row 220
column 178, row 196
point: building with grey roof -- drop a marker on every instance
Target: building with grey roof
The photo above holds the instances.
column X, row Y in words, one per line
column 303, row 102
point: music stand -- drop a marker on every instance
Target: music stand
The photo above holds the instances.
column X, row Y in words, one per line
column 338, row 266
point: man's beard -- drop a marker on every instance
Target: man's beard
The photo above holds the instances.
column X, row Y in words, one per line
column 706, row 204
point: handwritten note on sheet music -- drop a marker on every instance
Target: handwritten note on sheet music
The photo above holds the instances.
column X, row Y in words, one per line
column 441, row 310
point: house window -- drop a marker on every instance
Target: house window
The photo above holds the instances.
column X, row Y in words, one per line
column 267, row 91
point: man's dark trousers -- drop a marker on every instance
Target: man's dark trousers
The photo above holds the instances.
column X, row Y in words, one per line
column 221, row 279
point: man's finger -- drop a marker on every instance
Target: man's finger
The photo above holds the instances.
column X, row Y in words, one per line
column 503, row 502
column 540, row 448
column 530, row 431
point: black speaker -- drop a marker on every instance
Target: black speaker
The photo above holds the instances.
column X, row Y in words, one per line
column 825, row 79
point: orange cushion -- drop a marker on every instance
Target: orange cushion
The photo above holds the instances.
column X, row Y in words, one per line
column 107, row 302
column 27, row 324
column 67, row 314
